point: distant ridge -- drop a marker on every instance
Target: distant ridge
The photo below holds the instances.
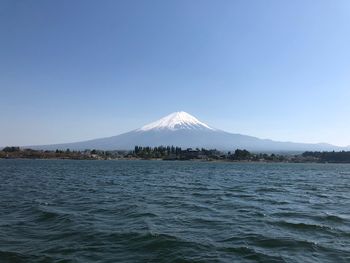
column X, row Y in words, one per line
column 184, row 130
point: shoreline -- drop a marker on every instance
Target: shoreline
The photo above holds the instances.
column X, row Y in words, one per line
column 178, row 160
column 172, row 153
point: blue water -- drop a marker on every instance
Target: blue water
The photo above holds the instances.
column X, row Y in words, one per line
column 158, row 211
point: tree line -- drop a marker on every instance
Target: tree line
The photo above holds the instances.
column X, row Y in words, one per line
column 329, row 157
column 177, row 153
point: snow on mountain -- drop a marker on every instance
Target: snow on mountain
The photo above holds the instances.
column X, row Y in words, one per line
column 176, row 121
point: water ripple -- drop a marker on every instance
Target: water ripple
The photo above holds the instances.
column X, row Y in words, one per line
column 145, row 211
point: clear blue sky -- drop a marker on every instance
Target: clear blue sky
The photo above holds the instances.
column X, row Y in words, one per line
column 75, row 70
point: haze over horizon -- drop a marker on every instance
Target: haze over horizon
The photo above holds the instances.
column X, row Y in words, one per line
column 72, row 71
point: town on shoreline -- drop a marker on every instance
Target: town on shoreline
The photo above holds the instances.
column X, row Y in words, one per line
column 176, row 153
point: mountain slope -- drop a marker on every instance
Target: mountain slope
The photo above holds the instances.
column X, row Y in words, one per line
column 182, row 129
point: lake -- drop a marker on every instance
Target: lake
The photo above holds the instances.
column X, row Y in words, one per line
column 163, row 211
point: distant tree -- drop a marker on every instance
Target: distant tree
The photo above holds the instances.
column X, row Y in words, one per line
column 11, row 149
column 241, row 155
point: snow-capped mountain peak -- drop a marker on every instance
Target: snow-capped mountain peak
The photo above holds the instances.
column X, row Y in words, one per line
column 176, row 121
column 183, row 130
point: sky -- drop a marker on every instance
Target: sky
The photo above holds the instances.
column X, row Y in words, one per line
column 76, row 70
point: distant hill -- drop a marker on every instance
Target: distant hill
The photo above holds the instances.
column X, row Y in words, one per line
column 183, row 130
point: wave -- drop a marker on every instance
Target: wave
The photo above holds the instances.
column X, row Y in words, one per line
column 302, row 226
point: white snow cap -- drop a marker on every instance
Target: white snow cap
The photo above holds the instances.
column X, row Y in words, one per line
column 176, row 121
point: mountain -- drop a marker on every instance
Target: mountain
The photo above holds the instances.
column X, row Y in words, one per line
column 184, row 130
